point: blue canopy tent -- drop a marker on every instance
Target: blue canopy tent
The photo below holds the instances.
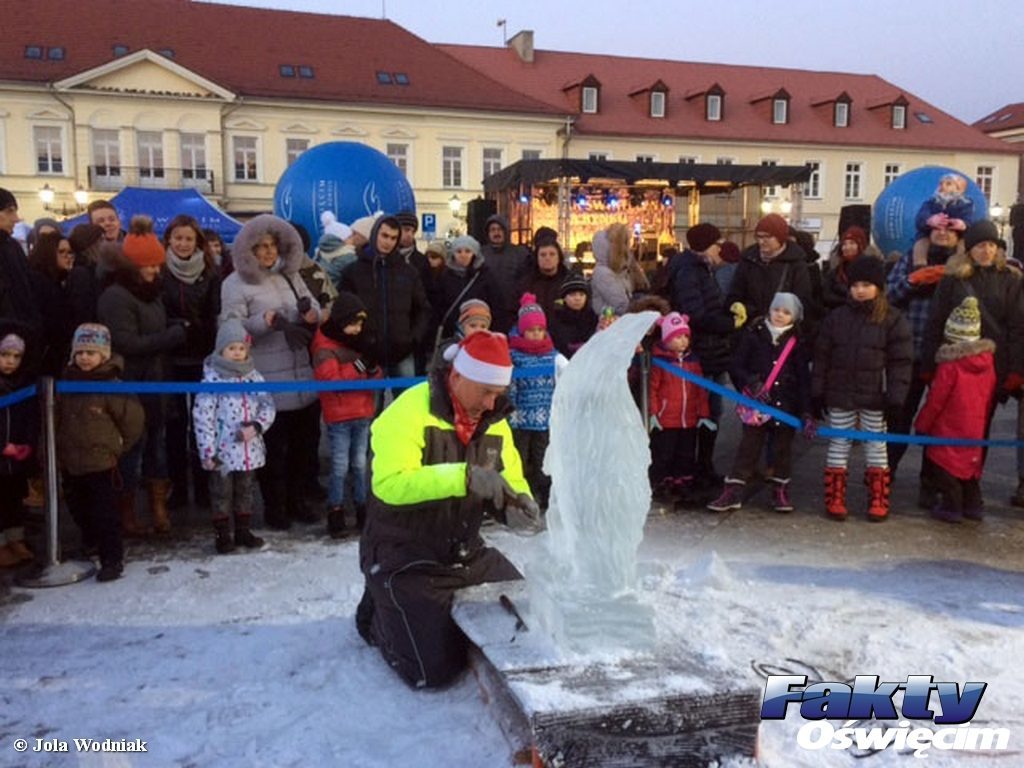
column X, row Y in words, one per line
column 162, row 205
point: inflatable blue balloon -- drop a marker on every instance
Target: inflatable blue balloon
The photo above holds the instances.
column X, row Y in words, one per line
column 893, row 215
column 349, row 179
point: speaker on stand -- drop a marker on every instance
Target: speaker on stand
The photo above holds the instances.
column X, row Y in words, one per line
column 477, row 213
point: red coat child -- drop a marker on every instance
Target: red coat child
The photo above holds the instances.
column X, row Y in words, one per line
column 333, row 361
column 675, row 402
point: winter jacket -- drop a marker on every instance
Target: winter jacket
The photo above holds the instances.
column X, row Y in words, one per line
column 396, row 303
column 608, row 287
column 998, row 290
column 95, row 430
column 675, row 402
column 137, row 320
column 57, row 328
column 756, row 281
column 199, row 305
column 419, row 510
column 508, row 265
column 959, row 401
column 532, row 389
column 476, row 280
column 216, row 419
column 915, row 300
column 956, row 208
column 859, row 364
column 755, row 357
column 570, row 329
column 250, row 292
column 545, row 287
column 693, row 291
column 333, row 361
column 15, row 292
column 19, row 423
column 84, row 289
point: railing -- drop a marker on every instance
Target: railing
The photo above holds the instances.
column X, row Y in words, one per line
column 114, row 177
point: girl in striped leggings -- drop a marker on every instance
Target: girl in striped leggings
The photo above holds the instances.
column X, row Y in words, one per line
column 862, row 368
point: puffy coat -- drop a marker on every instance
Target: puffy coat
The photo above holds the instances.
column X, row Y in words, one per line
column 251, row 291
column 332, row 361
column 198, row 304
column 15, row 293
column 216, row 419
column 693, row 291
column 859, row 364
column 675, row 402
column 959, row 401
column 753, row 362
column 609, row 287
column 998, row 290
column 95, row 430
column 481, row 285
column 756, row 281
column 396, row 304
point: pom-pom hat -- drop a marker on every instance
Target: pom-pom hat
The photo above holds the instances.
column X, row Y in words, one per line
column 964, row 322
column 673, row 324
column 485, row 359
column 531, row 315
column 141, row 247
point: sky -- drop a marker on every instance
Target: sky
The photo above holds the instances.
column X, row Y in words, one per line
column 965, row 57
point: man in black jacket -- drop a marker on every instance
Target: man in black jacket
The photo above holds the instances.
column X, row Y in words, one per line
column 15, row 291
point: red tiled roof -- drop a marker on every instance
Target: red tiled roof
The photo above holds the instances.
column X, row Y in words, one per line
column 243, row 48
column 1003, row 119
column 543, row 79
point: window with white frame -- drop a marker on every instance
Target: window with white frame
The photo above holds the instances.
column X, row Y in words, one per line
column 193, row 156
column 899, row 117
column 491, row 160
column 983, row 178
column 150, row 146
column 645, row 158
column 245, row 151
column 725, row 160
column 713, row 107
column 780, row 111
column 657, row 103
column 48, row 141
column 852, row 181
column 451, row 166
column 889, row 174
column 812, row 187
column 689, row 159
column 531, row 154
column 106, row 153
column 598, row 156
column 589, row 99
column 399, row 155
column 842, row 114
column 770, row 191
column 293, row 148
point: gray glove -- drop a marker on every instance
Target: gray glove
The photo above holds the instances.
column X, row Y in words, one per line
column 487, row 484
column 523, row 515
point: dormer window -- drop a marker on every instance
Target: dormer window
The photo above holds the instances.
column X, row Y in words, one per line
column 657, row 103
column 899, row 116
column 713, row 107
column 841, row 114
column 589, row 99
column 780, row 111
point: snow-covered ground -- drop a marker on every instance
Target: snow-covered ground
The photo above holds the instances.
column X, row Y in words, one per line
column 253, row 660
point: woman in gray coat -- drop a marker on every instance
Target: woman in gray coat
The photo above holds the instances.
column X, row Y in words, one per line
column 271, row 299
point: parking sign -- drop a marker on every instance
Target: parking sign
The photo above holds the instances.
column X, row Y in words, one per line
column 429, row 227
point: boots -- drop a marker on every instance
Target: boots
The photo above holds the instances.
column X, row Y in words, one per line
column 110, row 571
column 130, row 527
column 878, row 481
column 336, row 522
column 158, row 493
column 835, row 492
column 780, row 496
column 223, row 542
column 706, row 478
column 731, row 498
column 244, row 537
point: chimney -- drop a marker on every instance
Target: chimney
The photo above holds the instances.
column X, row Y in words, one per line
column 522, row 44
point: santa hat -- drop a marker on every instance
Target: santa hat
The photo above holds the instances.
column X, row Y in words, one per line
column 485, row 359
column 673, row 324
column 530, row 314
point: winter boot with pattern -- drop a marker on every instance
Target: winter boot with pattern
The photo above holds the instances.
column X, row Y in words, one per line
column 835, row 492
column 244, row 537
column 223, row 542
column 731, row 498
column 336, row 522
column 780, row 495
column 878, row 481
column 159, row 490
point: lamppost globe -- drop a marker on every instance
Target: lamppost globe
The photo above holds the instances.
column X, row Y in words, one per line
column 454, row 205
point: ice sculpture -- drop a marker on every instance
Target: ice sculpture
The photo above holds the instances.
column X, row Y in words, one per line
column 582, row 577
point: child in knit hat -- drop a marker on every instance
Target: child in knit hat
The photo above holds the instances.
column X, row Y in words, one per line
column 19, row 427
column 677, row 406
column 342, row 350
column 959, row 400
column 535, row 361
column 573, row 322
column 229, row 428
column 474, row 315
column 93, row 432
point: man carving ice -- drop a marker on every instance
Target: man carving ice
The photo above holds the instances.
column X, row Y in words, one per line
column 442, row 456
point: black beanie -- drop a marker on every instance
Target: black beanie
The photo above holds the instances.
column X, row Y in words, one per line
column 574, row 282
column 867, row 269
column 7, row 199
column 408, row 219
column 983, row 231
column 345, row 309
column 702, row 236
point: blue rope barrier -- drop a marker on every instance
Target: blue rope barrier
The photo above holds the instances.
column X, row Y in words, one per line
column 18, row 396
column 827, row 432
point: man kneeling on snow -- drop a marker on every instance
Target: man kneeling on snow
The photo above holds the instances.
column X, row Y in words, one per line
column 443, row 456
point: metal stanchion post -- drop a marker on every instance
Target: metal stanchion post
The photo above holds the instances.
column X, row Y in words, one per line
column 645, row 376
column 54, row 573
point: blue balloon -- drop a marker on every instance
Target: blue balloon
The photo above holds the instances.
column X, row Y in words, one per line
column 892, row 217
column 347, row 178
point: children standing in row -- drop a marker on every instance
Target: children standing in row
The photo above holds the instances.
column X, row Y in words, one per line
column 770, row 365
column 862, row 368
column 93, row 432
column 677, row 406
column 229, row 430
column 19, row 426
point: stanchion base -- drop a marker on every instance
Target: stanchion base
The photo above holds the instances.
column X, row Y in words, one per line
column 58, row 575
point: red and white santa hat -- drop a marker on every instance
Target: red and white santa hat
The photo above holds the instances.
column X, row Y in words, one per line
column 484, row 358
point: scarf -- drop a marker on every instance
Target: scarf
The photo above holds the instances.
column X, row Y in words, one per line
column 531, row 346
column 188, row 270
column 777, row 332
column 230, row 368
column 464, row 426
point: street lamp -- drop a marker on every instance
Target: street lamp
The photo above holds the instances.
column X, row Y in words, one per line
column 81, row 198
column 455, row 206
column 46, row 195
column 766, row 207
column 996, row 213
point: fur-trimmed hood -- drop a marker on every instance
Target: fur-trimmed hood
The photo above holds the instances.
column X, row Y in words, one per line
column 963, row 349
column 289, row 247
column 962, row 266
